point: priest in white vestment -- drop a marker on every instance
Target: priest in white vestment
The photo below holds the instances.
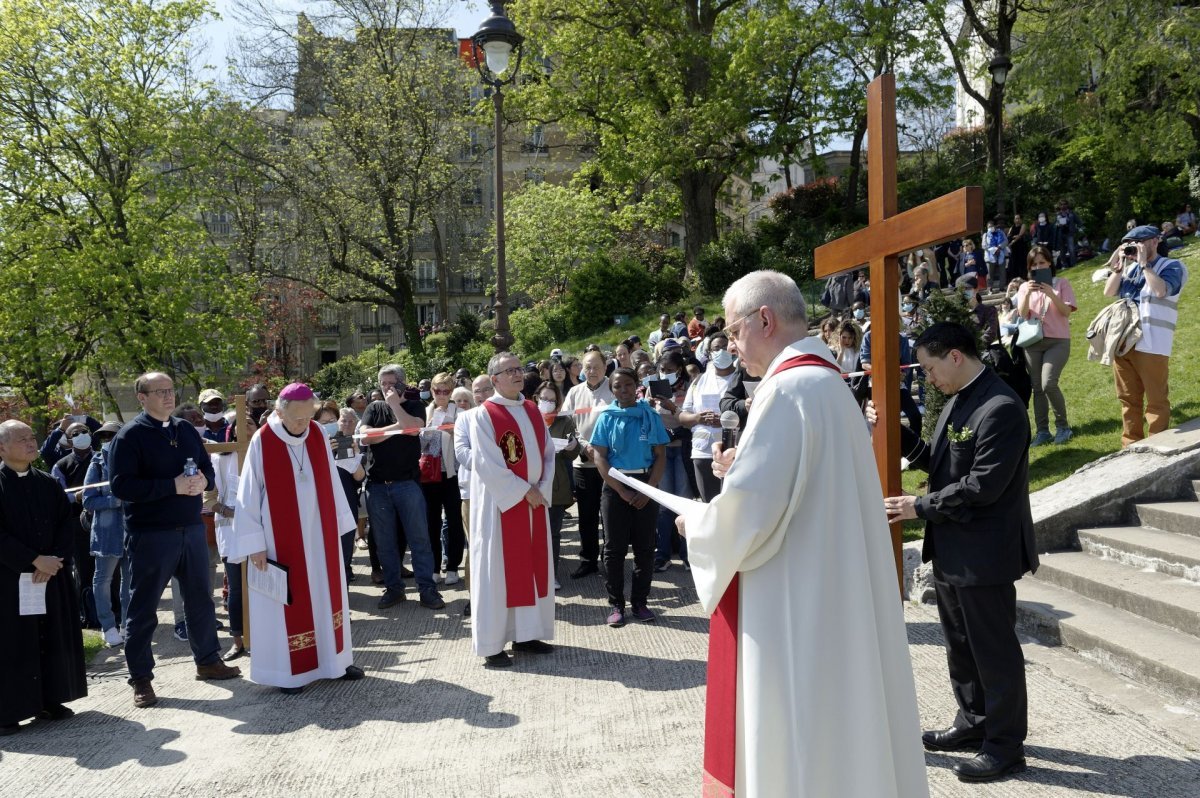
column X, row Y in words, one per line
column 795, row 557
column 291, row 512
column 512, row 473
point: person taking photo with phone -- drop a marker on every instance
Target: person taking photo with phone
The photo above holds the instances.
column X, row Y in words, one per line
column 1051, row 300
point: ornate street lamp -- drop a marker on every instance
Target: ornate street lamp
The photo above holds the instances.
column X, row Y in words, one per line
column 498, row 39
column 1000, row 67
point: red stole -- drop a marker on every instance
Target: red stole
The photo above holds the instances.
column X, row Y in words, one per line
column 720, row 707
column 284, row 510
column 523, row 530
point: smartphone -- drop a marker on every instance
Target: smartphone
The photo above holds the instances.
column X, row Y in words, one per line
column 344, row 446
column 660, row 388
column 1044, row 276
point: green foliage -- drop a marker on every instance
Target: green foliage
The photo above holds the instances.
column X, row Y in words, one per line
column 475, row 356
column 725, row 260
column 943, row 307
column 536, row 328
column 603, row 289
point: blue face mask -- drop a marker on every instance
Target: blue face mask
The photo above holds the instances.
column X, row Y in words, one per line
column 672, row 378
column 908, row 308
column 969, row 294
column 426, row 395
column 331, row 428
column 722, row 359
column 860, row 314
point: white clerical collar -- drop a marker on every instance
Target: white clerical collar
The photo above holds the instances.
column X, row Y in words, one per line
column 276, row 424
column 805, row 346
column 974, row 380
column 500, row 400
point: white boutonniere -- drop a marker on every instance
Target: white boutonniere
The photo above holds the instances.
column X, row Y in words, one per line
column 961, row 435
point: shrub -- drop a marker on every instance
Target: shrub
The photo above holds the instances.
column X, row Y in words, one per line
column 352, row 373
column 602, row 289
column 725, row 260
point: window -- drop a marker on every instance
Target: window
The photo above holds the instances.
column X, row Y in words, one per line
column 426, row 276
column 536, row 142
column 219, row 223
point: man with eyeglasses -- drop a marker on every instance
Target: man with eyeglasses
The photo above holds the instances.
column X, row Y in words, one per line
column 587, row 400
column 512, row 473
column 149, row 465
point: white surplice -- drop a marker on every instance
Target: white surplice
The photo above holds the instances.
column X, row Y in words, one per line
column 826, row 705
column 494, row 489
column 270, row 661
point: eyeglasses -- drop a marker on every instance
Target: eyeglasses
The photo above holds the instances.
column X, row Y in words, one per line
column 161, row 393
column 729, row 327
column 515, row 371
column 441, row 391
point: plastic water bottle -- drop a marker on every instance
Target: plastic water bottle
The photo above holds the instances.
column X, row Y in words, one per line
column 190, row 469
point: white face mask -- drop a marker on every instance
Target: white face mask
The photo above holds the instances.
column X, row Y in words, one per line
column 331, row 428
column 200, row 430
column 545, row 407
column 722, row 359
column 83, row 441
column 860, row 313
column 214, row 417
column 671, row 378
column 426, row 395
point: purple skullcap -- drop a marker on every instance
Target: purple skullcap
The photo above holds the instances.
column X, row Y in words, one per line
column 297, row 391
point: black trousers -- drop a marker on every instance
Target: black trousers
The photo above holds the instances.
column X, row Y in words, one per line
column 710, row 486
column 625, row 526
column 444, row 497
column 987, row 668
column 587, row 496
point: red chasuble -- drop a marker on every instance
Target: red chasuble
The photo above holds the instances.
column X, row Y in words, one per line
column 720, row 705
column 284, row 510
column 523, row 529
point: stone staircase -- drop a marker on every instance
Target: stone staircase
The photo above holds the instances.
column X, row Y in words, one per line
column 1130, row 599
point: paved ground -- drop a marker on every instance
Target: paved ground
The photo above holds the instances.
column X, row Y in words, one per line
column 611, row 713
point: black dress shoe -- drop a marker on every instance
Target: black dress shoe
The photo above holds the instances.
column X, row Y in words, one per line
column 987, row 767
column 953, row 739
column 56, row 712
column 291, row 690
column 501, row 660
column 235, row 651
column 584, row 569
column 533, row 647
column 353, row 674
column 467, row 610
column 9, row 728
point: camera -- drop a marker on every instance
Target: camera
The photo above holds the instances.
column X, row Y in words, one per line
column 1130, row 251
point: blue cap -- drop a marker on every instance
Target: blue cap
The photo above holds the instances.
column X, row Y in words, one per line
column 1143, row 233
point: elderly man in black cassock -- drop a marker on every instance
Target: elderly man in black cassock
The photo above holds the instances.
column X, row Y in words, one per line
column 43, row 668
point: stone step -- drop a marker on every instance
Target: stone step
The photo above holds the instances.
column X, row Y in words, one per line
column 1166, row 552
column 1156, row 597
column 1181, row 517
column 1119, row 641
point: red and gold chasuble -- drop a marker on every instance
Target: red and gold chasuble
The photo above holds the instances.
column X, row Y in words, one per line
column 720, row 706
column 524, row 533
column 284, row 510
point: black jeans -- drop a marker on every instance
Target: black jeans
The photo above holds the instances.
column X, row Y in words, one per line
column 710, row 486
column 444, row 497
column 588, row 504
column 233, row 575
column 625, row 526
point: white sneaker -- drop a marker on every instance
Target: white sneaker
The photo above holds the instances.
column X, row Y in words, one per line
column 452, row 577
column 557, row 585
column 113, row 637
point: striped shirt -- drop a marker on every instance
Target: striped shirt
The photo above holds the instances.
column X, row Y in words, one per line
column 1158, row 316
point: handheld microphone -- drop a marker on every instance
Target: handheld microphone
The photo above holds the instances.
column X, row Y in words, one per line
column 730, row 431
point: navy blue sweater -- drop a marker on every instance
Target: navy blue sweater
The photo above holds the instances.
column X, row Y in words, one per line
column 143, row 466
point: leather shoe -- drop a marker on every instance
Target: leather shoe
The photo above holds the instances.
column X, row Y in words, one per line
column 432, row 602
column 291, row 690
column 216, row 671
column 501, row 660
column 57, row 712
column 353, row 674
column 953, row 739
column 9, row 728
column 143, row 693
column 584, row 569
column 235, row 651
column 533, row 647
column 988, row 767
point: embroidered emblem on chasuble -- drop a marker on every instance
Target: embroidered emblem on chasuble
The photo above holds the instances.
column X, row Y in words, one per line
column 512, row 448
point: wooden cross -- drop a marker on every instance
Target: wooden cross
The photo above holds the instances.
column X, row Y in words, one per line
column 888, row 235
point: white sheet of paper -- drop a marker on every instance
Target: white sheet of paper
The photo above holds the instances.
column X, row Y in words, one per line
column 560, row 443
column 272, row 582
column 32, row 597
column 690, row 509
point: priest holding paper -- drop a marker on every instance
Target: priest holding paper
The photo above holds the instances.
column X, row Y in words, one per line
column 512, row 474
column 810, row 687
column 291, row 513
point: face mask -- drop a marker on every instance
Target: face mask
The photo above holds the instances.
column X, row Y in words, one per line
column 106, row 446
column 907, row 308
column 671, row 378
column 722, row 359
column 331, row 428
column 545, row 407
column 969, row 294
column 426, row 395
column 214, row 417
column 200, row 430
column 83, row 441
column 1042, row 219
column 860, row 314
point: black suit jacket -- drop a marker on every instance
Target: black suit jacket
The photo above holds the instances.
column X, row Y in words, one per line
column 978, row 525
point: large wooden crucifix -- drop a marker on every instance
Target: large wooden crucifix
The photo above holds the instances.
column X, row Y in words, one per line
column 888, row 235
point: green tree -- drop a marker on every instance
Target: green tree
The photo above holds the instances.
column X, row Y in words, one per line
column 106, row 261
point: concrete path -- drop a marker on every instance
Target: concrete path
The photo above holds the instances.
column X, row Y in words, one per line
column 613, row 712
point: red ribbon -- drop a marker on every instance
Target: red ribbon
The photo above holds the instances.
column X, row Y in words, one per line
column 284, row 510
column 720, row 706
column 524, row 532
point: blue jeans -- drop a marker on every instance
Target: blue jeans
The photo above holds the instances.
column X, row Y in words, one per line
column 387, row 502
column 102, row 588
column 675, row 482
column 154, row 557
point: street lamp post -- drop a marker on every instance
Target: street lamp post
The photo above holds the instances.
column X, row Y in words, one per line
column 999, row 67
column 498, row 38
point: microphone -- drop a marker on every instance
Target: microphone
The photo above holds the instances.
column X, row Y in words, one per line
column 729, row 429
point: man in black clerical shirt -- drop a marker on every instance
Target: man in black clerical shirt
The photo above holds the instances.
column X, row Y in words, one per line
column 165, row 534
column 42, row 668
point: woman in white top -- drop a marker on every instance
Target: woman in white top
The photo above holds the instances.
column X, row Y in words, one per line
column 846, row 350
column 442, row 495
column 701, row 412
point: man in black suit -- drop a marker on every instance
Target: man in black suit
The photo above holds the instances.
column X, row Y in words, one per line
column 979, row 535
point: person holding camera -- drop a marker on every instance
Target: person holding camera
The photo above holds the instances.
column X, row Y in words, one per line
column 1052, row 301
column 1140, row 274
